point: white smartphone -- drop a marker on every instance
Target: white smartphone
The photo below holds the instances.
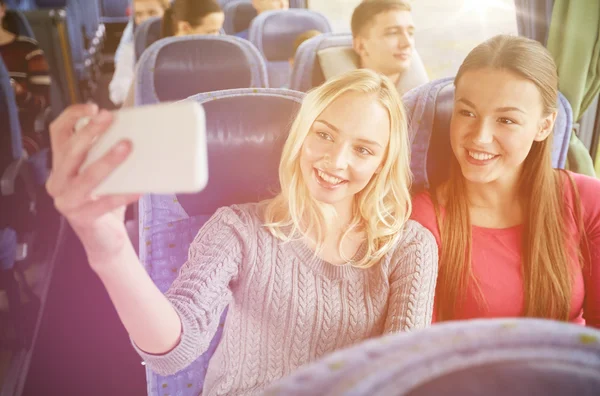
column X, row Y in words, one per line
column 168, row 150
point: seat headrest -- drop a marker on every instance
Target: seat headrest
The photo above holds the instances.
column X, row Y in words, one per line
column 177, row 67
column 238, row 16
column 306, row 72
column 338, row 60
column 246, row 130
column 146, row 34
column 274, row 32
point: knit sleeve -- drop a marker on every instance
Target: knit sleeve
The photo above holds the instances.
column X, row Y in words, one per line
column 412, row 280
column 203, row 288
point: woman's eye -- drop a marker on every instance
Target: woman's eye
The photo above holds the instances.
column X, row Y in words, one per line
column 466, row 113
column 506, row 121
column 324, row 135
column 363, row 151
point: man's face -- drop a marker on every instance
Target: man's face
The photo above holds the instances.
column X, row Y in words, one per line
column 387, row 42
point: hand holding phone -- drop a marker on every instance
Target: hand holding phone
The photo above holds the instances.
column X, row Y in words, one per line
column 168, row 150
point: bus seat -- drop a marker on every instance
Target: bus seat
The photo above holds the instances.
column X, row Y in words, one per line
column 71, row 12
column 17, row 182
column 147, row 34
column 175, row 68
column 306, row 73
column 17, row 24
column 22, row 5
column 243, row 125
column 519, row 357
column 114, row 8
column 298, row 4
column 238, row 16
column 49, row 28
column 429, row 110
column 224, row 3
column 329, row 55
column 274, row 33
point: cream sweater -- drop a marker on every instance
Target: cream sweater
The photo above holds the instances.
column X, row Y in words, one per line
column 286, row 306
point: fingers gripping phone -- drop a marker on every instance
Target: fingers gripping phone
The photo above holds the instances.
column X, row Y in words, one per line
column 168, row 153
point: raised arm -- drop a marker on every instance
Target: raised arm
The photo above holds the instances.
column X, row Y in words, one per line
column 152, row 321
column 412, row 281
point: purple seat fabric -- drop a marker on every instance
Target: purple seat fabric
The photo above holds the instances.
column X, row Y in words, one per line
column 479, row 357
column 246, row 129
column 274, row 33
column 175, row 68
column 238, row 16
column 307, row 72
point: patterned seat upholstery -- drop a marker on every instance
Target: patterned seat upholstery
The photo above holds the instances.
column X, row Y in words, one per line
column 519, row 357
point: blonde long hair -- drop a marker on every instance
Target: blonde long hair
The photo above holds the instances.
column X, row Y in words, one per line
column 381, row 208
column 547, row 278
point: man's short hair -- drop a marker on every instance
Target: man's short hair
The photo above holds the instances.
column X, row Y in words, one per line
column 369, row 9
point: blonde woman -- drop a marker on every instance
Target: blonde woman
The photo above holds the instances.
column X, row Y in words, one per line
column 516, row 237
column 332, row 260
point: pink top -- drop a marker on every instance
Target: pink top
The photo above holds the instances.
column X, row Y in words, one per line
column 496, row 260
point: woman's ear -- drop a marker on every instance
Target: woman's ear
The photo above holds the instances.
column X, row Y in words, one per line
column 358, row 46
column 546, row 127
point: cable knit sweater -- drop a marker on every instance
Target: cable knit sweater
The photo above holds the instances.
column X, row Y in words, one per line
column 287, row 307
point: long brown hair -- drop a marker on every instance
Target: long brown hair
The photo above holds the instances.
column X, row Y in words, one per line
column 547, row 279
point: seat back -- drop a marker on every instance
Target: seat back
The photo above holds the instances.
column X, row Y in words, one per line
column 429, row 111
column 147, row 34
column 246, row 129
column 274, row 33
column 177, row 67
column 520, row 357
column 17, row 24
column 114, row 8
column 238, row 16
column 223, row 3
column 307, row 73
column 50, row 29
column 11, row 146
column 329, row 55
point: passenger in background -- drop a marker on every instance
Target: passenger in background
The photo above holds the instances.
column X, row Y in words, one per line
column 383, row 38
column 331, row 260
column 125, row 55
column 516, row 237
column 186, row 17
column 265, row 5
column 299, row 40
column 30, row 78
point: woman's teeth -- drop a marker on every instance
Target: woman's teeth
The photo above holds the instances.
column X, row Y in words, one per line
column 329, row 179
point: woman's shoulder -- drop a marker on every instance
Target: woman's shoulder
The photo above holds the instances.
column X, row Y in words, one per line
column 247, row 214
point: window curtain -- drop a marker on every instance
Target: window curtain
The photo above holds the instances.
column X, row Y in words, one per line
column 570, row 31
column 574, row 41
